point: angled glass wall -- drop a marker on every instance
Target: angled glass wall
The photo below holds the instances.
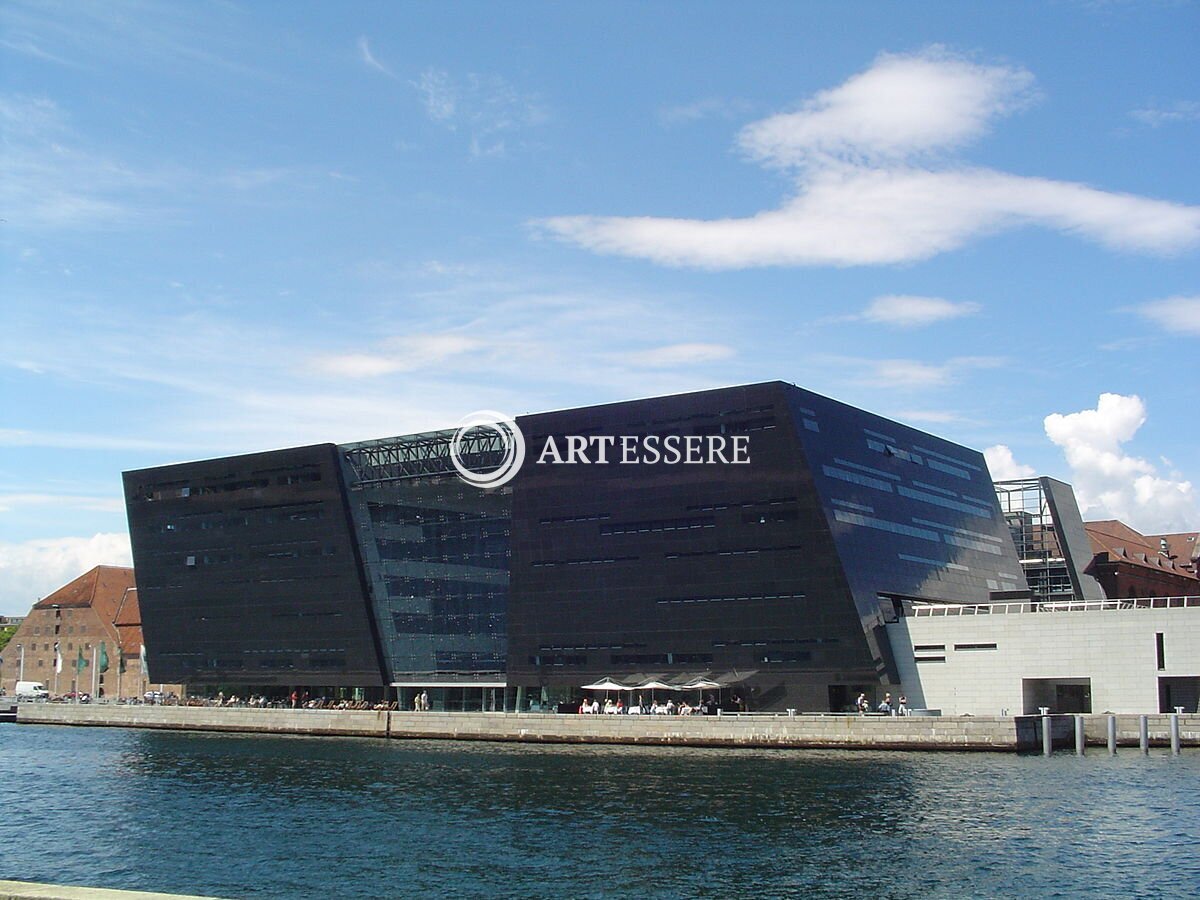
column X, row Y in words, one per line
column 436, row 553
column 1051, row 542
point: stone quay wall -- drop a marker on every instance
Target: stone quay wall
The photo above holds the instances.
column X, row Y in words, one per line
column 830, row 731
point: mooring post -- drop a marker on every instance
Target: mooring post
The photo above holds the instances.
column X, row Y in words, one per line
column 1174, row 734
column 1144, row 733
column 1079, row 739
column 1112, row 735
column 1047, row 737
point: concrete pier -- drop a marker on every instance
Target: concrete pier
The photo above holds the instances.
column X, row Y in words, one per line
column 29, row 890
column 1004, row 734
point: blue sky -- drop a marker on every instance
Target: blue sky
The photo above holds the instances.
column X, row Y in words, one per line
column 236, row 226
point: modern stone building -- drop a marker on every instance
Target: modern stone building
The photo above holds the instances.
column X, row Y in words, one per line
column 375, row 566
column 1012, row 658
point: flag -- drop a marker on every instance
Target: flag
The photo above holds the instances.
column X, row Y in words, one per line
column 120, row 659
column 81, row 663
column 57, row 657
column 142, row 661
column 102, row 663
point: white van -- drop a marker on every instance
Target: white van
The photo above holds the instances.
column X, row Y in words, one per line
column 31, row 690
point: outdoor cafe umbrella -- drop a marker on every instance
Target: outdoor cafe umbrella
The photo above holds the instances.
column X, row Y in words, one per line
column 655, row 685
column 700, row 685
column 606, row 684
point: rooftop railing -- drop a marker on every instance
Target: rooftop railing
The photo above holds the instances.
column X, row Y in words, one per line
column 1017, row 607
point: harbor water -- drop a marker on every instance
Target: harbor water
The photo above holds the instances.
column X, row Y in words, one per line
column 256, row 816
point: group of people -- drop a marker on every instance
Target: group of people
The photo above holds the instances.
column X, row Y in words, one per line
column 653, row 708
column 421, row 702
column 900, row 708
column 295, row 700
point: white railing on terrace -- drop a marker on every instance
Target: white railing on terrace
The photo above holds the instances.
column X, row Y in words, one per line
column 1053, row 606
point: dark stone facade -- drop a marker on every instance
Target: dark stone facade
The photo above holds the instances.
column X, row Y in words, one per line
column 773, row 573
column 249, row 573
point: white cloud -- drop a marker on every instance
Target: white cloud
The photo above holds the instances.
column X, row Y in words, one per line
column 912, row 312
column 368, row 58
column 870, row 188
column 402, row 354
column 907, row 374
column 439, row 95
column 12, row 501
column 1179, row 314
column 30, row 570
column 902, row 105
column 51, row 181
column 680, row 355
column 19, row 437
column 709, row 107
column 1003, row 466
column 484, row 106
column 936, row 416
column 472, row 339
column 1157, row 116
column 1112, row 484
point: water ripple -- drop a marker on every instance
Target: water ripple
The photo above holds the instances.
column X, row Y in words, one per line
column 248, row 816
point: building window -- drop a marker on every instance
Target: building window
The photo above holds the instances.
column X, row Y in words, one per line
column 1160, row 647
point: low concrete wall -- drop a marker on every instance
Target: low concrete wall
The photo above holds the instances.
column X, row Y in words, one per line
column 355, row 723
column 716, row 731
column 850, row 732
column 28, row 890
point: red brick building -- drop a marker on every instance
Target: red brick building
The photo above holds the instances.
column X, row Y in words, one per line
column 1130, row 564
column 94, row 625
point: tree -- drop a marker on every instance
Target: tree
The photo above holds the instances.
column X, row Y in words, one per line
column 6, row 635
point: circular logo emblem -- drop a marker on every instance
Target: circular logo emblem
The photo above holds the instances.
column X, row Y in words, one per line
column 511, row 439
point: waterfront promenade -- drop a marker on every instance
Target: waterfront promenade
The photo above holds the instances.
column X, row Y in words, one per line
column 992, row 733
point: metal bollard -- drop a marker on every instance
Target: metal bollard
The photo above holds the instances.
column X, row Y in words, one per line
column 1175, row 734
column 1047, row 737
column 1144, row 733
column 1112, row 735
column 1079, row 738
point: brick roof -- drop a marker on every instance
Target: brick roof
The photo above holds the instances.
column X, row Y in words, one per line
column 1185, row 547
column 1122, row 543
column 102, row 589
column 129, row 623
column 128, row 612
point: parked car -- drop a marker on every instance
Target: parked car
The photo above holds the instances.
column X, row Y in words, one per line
column 153, row 696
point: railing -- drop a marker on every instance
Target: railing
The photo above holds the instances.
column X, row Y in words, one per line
column 1053, row 606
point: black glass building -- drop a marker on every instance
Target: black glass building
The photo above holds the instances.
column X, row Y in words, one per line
column 769, row 566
